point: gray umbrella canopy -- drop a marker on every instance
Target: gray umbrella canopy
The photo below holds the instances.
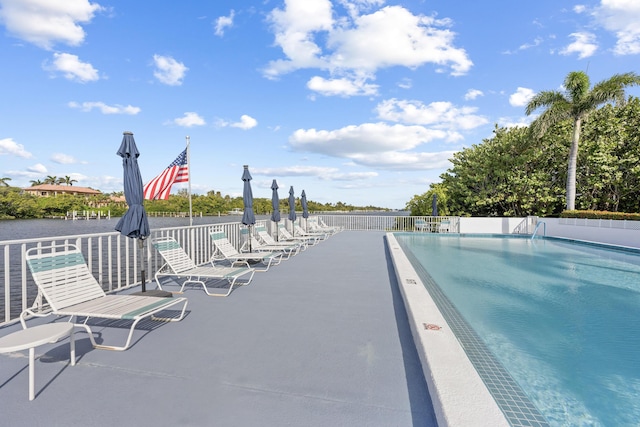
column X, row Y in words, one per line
column 292, row 205
column 305, row 210
column 434, row 205
column 134, row 222
column 303, row 201
column 275, row 202
column 248, row 217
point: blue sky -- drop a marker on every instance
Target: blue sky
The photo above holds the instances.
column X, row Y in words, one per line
column 360, row 101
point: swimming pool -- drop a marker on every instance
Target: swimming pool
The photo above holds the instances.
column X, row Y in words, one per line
column 560, row 317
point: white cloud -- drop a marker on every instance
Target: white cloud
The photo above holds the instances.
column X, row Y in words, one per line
column 324, row 173
column 224, row 22
column 584, row 45
column 105, row 109
column 341, row 87
column 355, row 7
column 621, row 17
column 38, row 168
column 246, row 122
column 473, row 94
column 579, row 8
column 72, row 68
column 439, row 115
column 536, row 42
column 510, row 122
column 189, row 119
column 44, row 23
column 349, row 176
column 521, row 97
column 358, row 46
column 9, row 147
column 405, row 83
column 37, row 171
column 63, row 159
column 367, row 137
column 405, row 160
column 393, row 36
column 374, row 145
column 294, row 29
column 168, row 70
column 295, row 171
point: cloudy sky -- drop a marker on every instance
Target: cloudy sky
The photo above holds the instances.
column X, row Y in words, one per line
column 358, row 101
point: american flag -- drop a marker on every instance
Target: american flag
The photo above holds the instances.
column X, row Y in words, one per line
column 160, row 187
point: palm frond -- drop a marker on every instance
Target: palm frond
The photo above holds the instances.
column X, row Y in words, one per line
column 544, row 99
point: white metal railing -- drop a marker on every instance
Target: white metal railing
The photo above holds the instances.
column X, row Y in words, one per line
column 430, row 224
column 112, row 258
column 115, row 260
column 601, row 223
column 527, row 225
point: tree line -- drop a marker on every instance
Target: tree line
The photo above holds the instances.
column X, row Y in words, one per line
column 15, row 204
column 539, row 169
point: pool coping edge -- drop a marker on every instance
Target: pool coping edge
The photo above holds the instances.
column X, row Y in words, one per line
column 458, row 394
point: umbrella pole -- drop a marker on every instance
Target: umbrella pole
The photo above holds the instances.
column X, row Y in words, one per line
column 143, row 279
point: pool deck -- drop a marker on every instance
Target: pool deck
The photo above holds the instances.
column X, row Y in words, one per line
column 320, row 340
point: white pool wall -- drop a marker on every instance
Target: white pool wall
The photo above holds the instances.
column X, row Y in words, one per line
column 612, row 232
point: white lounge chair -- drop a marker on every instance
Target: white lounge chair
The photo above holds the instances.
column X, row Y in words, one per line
column 444, row 226
column 303, row 233
column 226, row 250
column 422, row 225
column 256, row 246
column 179, row 264
column 316, row 224
column 65, row 281
column 268, row 240
column 285, row 235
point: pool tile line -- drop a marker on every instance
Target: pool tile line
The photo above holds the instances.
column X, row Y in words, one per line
column 512, row 401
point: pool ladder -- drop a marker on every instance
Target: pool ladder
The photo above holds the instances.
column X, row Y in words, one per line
column 544, row 229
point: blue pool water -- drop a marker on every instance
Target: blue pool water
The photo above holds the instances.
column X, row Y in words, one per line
column 562, row 317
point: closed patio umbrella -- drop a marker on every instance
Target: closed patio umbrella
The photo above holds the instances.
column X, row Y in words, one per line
column 134, row 222
column 248, row 217
column 434, row 205
column 305, row 210
column 292, row 207
column 275, row 204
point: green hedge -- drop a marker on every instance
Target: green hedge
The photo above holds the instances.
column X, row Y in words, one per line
column 600, row 215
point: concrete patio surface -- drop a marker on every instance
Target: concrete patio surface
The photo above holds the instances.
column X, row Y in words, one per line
column 320, row 340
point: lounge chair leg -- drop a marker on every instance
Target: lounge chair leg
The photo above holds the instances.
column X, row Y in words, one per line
column 133, row 326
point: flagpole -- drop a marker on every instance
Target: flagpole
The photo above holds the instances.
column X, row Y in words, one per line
column 189, row 168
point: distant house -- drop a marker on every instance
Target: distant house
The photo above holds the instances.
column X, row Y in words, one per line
column 48, row 190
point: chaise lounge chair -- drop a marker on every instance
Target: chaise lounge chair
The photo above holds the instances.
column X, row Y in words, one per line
column 226, row 250
column 65, row 281
column 315, row 224
column 284, row 234
column 317, row 234
column 179, row 264
column 268, row 240
column 287, row 251
column 444, row 226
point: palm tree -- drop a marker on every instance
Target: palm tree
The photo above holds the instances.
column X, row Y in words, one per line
column 68, row 180
column 3, row 181
column 51, row 179
column 35, row 182
column 576, row 102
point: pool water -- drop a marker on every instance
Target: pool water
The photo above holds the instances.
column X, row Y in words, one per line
column 562, row 317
